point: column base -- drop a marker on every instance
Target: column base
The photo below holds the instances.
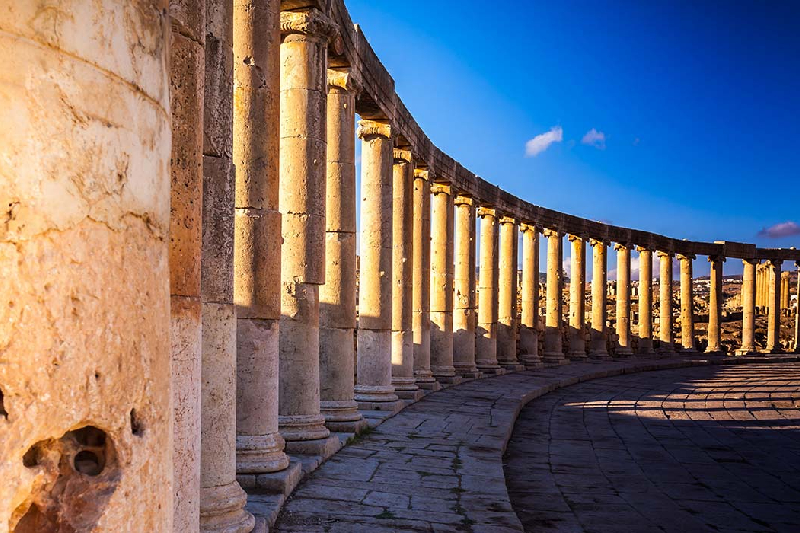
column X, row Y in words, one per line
column 374, row 393
column 260, row 454
column 283, row 482
column 410, row 396
column 554, row 359
column 342, row 416
column 448, row 381
column 531, row 361
column 425, row 380
column 467, row 371
column 625, row 351
column 745, row 351
column 490, row 368
column 222, row 510
column 577, row 356
column 446, row 375
column 295, row 428
column 599, row 356
column 384, row 406
column 323, row 448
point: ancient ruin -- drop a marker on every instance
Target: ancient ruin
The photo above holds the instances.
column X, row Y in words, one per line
column 186, row 328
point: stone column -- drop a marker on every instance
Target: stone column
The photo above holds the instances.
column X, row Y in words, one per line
column 645, row 301
column 303, row 101
column 421, row 275
column 623, row 300
column 749, row 284
column 187, row 77
column 405, row 385
column 687, row 304
column 374, row 389
column 507, row 296
column 553, row 352
column 598, row 348
column 715, row 306
column 667, row 346
column 761, row 287
column 464, row 319
column 442, row 273
column 88, row 266
column 486, row 342
column 797, row 313
column 774, row 304
column 529, row 329
column 577, row 299
column 337, row 297
column 257, row 223
column 785, row 290
column 222, row 500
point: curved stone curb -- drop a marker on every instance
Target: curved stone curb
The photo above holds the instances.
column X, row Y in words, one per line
column 437, row 465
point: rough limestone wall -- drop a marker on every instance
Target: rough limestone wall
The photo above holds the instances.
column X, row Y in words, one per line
column 85, row 431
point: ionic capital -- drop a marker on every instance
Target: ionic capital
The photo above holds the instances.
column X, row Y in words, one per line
column 597, row 242
column 372, row 128
column 553, row 233
column 774, row 263
column 524, row 227
column 753, row 262
column 622, row 246
column 311, row 22
column 402, row 156
column 665, row 254
column 344, row 80
column 441, row 188
column 421, row 174
column 462, row 199
column 686, row 257
column 572, row 237
column 641, row 249
column 507, row 220
column 716, row 258
column 487, row 212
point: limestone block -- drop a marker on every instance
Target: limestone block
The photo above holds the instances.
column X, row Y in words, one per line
column 187, row 20
column 218, row 229
column 257, row 376
column 218, row 115
column 257, row 263
column 336, row 364
column 338, row 295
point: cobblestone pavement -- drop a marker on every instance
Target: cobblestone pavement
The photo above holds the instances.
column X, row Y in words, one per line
column 437, row 466
column 697, row 449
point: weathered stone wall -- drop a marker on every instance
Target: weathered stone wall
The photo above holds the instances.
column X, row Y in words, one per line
column 85, row 434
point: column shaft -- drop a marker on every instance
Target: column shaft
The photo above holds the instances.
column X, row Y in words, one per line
column 529, row 329
column 303, row 153
column 402, row 295
column 88, row 263
column 486, row 342
column 222, row 500
column 665, row 304
column 577, row 299
column 774, row 303
column 464, row 318
column 337, row 313
column 374, row 388
column 715, row 306
column 507, row 296
column 256, row 265
column 442, row 273
column 599, row 342
column 422, row 281
column 797, row 313
column 749, row 285
column 553, row 351
column 623, row 300
column 687, row 304
column 645, row 301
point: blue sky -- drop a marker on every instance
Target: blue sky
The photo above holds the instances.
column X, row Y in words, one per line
column 693, row 106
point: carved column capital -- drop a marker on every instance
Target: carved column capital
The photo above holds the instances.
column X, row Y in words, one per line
column 310, row 22
column 597, row 242
column 754, row 262
column 373, row 128
column 344, row 80
column 686, row 257
column 774, row 263
column 402, row 156
column 441, row 188
column 621, row 246
column 641, row 249
column 507, row 220
column 716, row 258
column 421, row 174
column 525, row 227
column 554, row 233
column 487, row 212
column 462, row 199
column 665, row 254
column 574, row 237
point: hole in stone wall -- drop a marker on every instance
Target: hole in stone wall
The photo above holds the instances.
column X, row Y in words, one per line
column 31, row 457
column 137, row 426
column 87, row 462
column 90, row 436
column 3, row 411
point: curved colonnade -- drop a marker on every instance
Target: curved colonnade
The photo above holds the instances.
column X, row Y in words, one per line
column 260, row 245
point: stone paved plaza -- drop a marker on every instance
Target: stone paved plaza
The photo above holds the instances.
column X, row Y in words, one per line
column 438, row 465
column 695, row 449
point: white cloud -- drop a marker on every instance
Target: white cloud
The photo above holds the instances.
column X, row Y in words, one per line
column 595, row 138
column 540, row 143
column 778, row 231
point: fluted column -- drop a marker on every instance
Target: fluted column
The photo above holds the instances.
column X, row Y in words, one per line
column 623, row 300
column 442, row 273
column 486, row 342
column 687, row 304
column 337, row 313
column 715, row 305
column 749, row 284
column 507, row 296
column 222, row 499
column 666, row 340
column 774, row 303
column 464, row 318
column 553, row 351
column 257, row 241
column 645, row 301
column 405, row 385
column 422, row 281
column 374, row 389
column 598, row 348
column 303, row 100
column 529, row 329
column 577, row 299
